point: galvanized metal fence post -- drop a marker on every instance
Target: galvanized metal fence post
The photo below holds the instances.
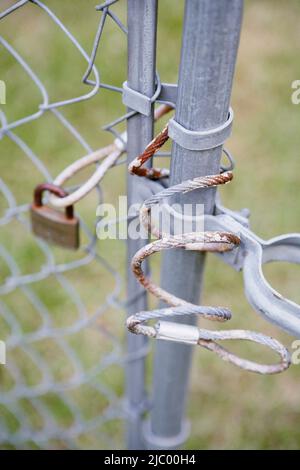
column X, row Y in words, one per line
column 210, row 42
column 142, row 19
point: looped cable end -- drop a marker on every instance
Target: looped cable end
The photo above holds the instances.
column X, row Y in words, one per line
column 216, row 241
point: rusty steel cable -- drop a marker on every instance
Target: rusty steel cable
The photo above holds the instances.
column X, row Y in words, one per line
column 135, row 166
column 197, row 241
column 109, row 155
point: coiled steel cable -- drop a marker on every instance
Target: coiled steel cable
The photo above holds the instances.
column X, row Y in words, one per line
column 107, row 155
column 198, row 241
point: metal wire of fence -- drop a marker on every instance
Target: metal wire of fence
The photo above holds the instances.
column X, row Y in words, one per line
column 49, row 384
column 68, row 381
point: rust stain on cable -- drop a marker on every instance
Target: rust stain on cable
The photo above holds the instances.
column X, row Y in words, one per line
column 135, row 167
column 198, row 241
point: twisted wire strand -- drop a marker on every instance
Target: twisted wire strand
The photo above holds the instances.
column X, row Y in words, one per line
column 198, row 241
column 135, row 167
column 109, row 154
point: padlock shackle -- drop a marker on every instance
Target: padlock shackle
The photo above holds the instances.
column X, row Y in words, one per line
column 53, row 189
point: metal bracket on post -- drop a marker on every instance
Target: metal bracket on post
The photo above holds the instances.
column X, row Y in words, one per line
column 165, row 93
column 200, row 140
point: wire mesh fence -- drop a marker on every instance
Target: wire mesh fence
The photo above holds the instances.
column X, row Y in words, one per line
column 69, row 382
column 60, row 313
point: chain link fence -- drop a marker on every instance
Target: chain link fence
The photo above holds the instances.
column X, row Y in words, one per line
column 61, row 313
column 69, row 381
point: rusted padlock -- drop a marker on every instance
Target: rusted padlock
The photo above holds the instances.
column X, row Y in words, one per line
column 51, row 225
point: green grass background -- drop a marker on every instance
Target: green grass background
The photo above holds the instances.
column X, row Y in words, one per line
column 228, row 408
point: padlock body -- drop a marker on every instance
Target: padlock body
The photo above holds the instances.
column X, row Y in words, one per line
column 54, row 227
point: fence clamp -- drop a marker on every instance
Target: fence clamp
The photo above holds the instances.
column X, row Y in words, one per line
column 200, row 140
column 164, row 93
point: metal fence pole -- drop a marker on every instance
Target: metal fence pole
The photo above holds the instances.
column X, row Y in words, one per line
column 209, row 49
column 142, row 21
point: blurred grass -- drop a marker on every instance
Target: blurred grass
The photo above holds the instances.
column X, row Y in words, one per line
column 228, row 408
